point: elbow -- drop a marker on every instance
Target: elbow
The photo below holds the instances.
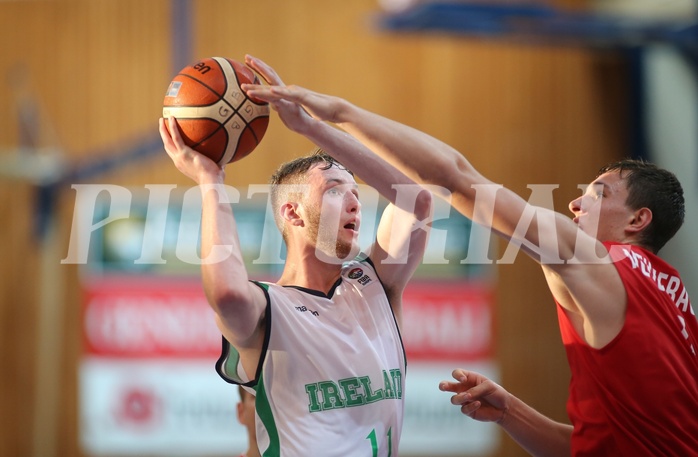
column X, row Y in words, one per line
column 459, row 170
column 446, row 172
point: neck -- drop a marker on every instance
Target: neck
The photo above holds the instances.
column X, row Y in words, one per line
column 306, row 270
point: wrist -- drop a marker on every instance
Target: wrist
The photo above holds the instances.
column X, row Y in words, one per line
column 211, row 178
column 343, row 112
column 508, row 410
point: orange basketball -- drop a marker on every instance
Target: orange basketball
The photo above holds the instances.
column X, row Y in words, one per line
column 215, row 117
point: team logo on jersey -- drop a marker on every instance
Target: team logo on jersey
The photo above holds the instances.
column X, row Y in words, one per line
column 358, row 274
column 355, row 273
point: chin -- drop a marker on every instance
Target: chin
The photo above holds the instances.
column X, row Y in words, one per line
column 336, row 254
column 353, row 251
column 346, row 252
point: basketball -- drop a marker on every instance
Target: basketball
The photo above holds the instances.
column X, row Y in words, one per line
column 215, row 117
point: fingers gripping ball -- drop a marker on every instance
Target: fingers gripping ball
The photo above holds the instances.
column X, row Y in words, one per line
column 215, row 117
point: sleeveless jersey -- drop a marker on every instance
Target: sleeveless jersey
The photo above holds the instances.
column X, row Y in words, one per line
column 331, row 377
column 638, row 395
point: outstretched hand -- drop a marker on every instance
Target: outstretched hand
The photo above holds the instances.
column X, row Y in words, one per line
column 191, row 163
column 479, row 397
column 296, row 106
column 291, row 114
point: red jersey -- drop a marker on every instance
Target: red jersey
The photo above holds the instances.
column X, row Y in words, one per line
column 638, row 395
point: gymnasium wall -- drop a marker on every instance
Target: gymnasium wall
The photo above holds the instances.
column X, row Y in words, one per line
column 96, row 72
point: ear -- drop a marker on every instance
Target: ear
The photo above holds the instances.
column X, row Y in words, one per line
column 289, row 212
column 640, row 221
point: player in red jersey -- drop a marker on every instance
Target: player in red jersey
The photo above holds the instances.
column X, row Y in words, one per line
column 625, row 317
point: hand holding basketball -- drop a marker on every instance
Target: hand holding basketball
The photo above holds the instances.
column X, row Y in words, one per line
column 190, row 162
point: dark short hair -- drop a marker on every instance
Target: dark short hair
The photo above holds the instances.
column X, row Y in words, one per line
column 657, row 189
column 288, row 171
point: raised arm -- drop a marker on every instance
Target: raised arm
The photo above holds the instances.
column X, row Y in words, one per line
column 421, row 157
column 571, row 259
column 239, row 305
column 401, row 237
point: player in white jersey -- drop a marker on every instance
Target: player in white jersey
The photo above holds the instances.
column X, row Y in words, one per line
column 351, row 369
column 321, row 347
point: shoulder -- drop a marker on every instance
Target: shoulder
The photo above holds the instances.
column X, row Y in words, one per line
column 633, row 257
column 361, row 260
column 360, row 269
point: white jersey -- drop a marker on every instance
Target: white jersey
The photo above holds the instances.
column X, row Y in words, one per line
column 332, row 374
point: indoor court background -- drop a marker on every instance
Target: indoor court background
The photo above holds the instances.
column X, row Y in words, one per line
column 82, row 83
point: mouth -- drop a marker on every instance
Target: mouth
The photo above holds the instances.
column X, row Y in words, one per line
column 351, row 226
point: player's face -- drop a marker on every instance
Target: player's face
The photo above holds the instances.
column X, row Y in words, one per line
column 333, row 211
column 601, row 212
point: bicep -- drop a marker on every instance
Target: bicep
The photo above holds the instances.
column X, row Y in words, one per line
column 579, row 271
column 400, row 243
column 244, row 328
column 594, row 298
column 240, row 316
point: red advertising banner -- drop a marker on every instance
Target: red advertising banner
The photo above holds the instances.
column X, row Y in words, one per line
column 169, row 317
column 445, row 321
column 151, row 317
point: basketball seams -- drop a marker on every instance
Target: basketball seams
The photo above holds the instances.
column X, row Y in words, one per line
column 225, row 80
column 230, row 74
column 228, row 69
column 225, row 151
column 231, row 135
column 230, row 152
column 219, row 96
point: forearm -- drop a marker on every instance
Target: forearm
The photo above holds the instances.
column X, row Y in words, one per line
column 420, row 156
column 222, row 267
column 238, row 305
column 429, row 161
column 537, row 434
column 372, row 169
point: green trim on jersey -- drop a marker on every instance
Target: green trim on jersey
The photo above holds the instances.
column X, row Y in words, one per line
column 267, row 417
column 230, row 365
column 263, row 285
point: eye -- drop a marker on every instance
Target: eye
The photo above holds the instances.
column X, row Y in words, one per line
column 597, row 191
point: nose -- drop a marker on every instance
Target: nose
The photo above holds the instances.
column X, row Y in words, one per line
column 575, row 205
column 353, row 203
